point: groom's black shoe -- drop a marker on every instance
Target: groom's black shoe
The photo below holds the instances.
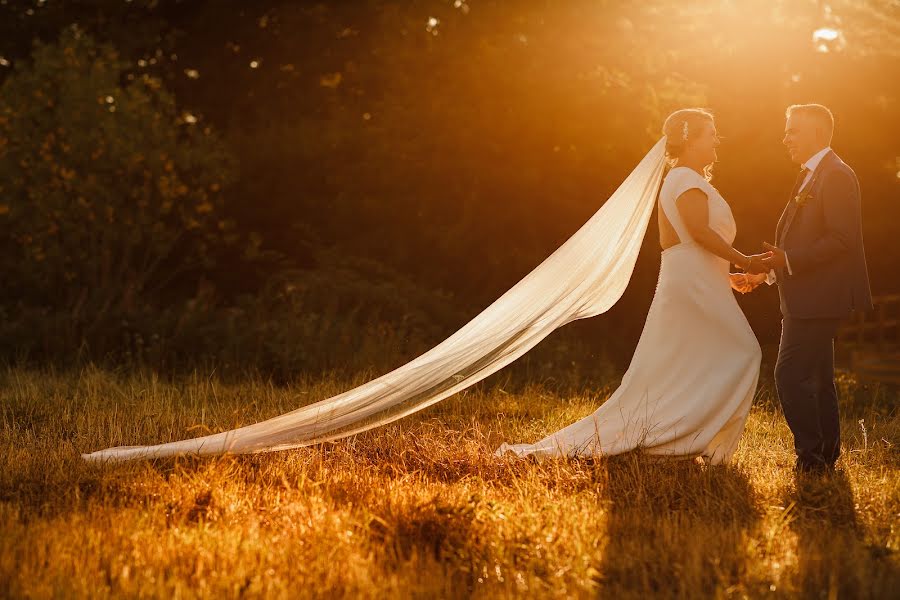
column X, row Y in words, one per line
column 802, row 467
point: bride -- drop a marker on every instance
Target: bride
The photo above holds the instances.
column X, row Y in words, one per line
column 694, row 372
column 692, row 377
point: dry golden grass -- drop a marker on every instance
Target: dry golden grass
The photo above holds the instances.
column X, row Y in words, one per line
column 422, row 507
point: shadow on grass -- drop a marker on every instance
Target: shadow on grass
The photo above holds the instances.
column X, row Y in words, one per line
column 833, row 558
column 676, row 529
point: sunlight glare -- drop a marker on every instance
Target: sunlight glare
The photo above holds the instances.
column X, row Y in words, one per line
column 825, row 34
column 826, row 39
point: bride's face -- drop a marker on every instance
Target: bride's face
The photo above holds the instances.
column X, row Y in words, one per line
column 704, row 145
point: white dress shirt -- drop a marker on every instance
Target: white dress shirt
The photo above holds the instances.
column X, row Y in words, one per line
column 810, row 165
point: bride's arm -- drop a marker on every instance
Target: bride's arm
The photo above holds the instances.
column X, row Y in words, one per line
column 694, row 210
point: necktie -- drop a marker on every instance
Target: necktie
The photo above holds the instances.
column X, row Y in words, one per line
column 800, row 177
column 791, row 208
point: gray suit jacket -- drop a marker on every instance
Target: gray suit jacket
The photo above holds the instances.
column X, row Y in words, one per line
column 824, row 244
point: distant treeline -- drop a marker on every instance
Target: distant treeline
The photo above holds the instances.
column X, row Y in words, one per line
column 291, row 186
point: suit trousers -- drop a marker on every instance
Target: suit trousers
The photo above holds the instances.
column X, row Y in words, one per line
column 804, row 378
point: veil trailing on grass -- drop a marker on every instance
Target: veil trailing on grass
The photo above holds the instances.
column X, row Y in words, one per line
column 582, row 278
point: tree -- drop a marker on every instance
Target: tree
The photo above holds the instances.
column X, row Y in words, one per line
column 107, row 190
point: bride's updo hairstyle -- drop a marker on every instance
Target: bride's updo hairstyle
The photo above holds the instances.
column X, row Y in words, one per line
column 681, row 126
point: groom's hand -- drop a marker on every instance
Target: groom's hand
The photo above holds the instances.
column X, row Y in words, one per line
column 758, row 263
column 776, row 258
column 755, row 280
column 739, row 282
column 746, row 282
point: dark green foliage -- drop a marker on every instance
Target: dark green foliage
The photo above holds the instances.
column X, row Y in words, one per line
column 454, row 157
column 108, row 191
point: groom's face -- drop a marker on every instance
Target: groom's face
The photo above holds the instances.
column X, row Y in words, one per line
column 801, row 137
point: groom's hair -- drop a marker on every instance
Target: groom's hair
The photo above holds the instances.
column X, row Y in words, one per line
column 820, row 115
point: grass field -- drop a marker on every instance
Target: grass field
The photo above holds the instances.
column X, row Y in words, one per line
column 421, row 507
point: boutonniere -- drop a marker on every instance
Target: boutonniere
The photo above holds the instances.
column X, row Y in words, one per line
column 802, row 198
column 805, row 194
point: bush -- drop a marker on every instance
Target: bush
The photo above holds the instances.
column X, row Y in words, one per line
column 107, row 191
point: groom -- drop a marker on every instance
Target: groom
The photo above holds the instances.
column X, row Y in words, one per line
column 819, row 264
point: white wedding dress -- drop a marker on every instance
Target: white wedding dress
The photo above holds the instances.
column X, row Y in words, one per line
column 688, row 389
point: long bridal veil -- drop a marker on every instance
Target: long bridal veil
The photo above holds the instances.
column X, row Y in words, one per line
column 582, row 278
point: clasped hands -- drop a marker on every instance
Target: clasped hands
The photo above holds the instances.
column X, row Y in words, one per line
column 755, row 271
